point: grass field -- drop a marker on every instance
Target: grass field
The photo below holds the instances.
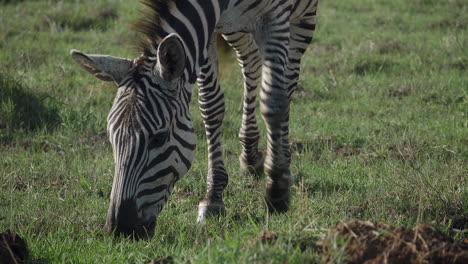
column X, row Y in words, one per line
column 379, row 132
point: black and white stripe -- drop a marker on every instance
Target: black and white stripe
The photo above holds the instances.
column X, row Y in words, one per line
column 150, row 126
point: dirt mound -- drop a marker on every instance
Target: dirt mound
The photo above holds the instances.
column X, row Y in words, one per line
column 13, row 248
column 268, row 237
column 365, row 242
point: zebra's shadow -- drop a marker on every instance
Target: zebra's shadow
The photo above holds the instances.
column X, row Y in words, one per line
column 23, row 109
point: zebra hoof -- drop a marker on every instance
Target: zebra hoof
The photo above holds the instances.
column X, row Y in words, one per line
column 206, row 209
column 277, row 200
column 255, row 167
column 278, row 193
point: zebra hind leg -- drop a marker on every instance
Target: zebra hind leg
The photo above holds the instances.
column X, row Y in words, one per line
column 250, row 61
column 211, row 102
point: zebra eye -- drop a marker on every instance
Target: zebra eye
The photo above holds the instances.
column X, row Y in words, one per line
column 158, row 140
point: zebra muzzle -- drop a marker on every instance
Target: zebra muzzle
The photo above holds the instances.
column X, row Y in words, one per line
column 123, row 220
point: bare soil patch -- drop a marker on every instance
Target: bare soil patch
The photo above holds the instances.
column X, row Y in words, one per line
column 268, row 237
column 366, row 242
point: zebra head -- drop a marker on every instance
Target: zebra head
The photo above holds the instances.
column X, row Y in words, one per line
column 150, row 130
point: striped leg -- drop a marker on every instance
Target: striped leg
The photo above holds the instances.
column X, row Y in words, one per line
column 250, row 62
column 211, row 101
column 274, row 105
column 301, row 35
column 278, row 185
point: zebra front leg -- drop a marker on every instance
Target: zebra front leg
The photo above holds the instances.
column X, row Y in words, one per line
column 250, row 61
column 301, row 35
column 278, row 156
column 275, row 110
column 274, row 106
column 211, row 101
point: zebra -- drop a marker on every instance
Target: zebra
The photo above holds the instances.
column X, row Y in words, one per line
column 149, row 124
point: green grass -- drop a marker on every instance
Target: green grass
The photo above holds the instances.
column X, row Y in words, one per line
column 379, row 131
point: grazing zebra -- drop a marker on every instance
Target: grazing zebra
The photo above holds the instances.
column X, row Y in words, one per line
column 149, row 124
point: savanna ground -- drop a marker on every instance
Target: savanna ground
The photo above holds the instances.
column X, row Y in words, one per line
column 379, row 132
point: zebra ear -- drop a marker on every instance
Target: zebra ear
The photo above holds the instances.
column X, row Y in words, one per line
column 171, row 57
column 103, row 67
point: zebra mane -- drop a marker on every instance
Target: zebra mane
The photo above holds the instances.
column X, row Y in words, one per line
column 149, row 25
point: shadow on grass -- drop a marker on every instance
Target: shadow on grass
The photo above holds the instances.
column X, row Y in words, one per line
column 374, row 66
column 22, row 109
column 11, row 1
